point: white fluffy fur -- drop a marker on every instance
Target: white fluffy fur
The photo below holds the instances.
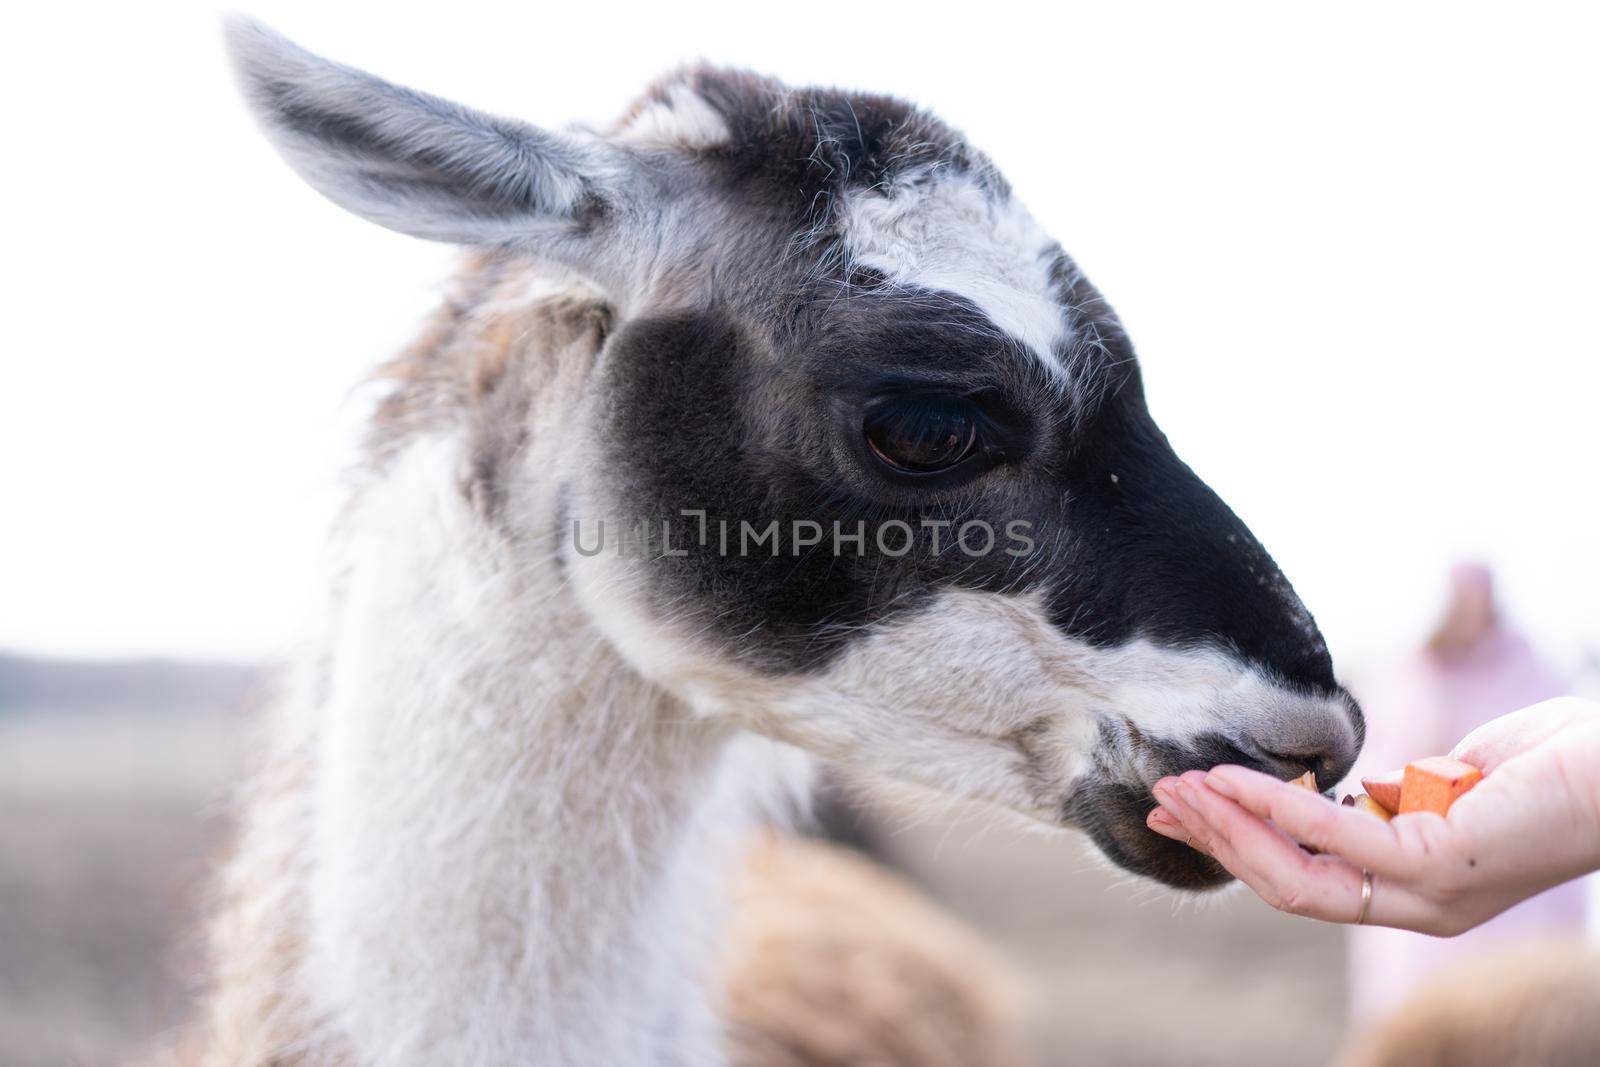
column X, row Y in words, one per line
column 946, row 232
column 519, row 842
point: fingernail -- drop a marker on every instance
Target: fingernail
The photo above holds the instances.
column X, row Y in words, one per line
column 1219, row 784
column 1166, row 829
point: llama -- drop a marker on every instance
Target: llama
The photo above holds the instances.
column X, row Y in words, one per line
column 505, row 790
column 1525, row 1005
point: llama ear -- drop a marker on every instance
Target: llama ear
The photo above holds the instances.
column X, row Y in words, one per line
column 422, row 165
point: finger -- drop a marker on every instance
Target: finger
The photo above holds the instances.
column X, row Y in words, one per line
column 1182, row 815
column 1166, row 794
column 1311, row 820
column 1322, row 887
column 1263, row 858
column 1161, row 822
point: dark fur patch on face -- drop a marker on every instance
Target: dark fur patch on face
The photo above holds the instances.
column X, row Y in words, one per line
column 716, row 411
column 806, row 145
column 1157, row 553
column 700, row 421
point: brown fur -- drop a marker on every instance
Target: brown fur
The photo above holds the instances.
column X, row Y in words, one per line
column 1534, row 1007
column 833, row 962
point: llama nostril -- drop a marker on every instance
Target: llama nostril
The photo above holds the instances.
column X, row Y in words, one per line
column 1291, row 765
column 1330, row 763
column 1297, row 762
column 1318, row 735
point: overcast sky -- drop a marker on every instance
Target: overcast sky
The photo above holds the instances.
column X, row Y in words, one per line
column 1356, row 247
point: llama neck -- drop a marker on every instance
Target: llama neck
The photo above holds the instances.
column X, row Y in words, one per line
column 516, row 837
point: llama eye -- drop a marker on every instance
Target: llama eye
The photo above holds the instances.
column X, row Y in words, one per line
column 923, row 435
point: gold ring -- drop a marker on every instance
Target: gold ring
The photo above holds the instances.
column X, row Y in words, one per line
column 1366, row 896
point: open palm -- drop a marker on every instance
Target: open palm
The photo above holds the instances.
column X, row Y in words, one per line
column 1532, row 823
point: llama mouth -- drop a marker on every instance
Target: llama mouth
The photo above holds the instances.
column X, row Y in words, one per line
column 1112, row 802
column 1113, row 814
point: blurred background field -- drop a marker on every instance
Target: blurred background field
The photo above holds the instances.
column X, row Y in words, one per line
column 115, row 807
column 114, row 782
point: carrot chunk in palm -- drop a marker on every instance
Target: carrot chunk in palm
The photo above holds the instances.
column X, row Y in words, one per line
column 1385, row 789
column 1307, row 780
column 1433, row 784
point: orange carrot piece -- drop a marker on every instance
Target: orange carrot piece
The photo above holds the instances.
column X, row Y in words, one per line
column 1307, row 780
column 1433, row 784
column 1385, row 789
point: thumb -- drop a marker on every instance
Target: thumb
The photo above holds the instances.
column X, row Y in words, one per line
column 1511, row 735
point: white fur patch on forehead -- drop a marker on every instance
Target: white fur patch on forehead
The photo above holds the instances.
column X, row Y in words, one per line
column 683, row 120
column 950, row 233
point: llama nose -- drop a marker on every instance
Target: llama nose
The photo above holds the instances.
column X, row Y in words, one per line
column 1321, row 735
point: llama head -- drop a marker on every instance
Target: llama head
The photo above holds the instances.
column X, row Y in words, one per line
column 863, row 462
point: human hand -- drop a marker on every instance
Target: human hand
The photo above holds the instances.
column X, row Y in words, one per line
column 1532, row 823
